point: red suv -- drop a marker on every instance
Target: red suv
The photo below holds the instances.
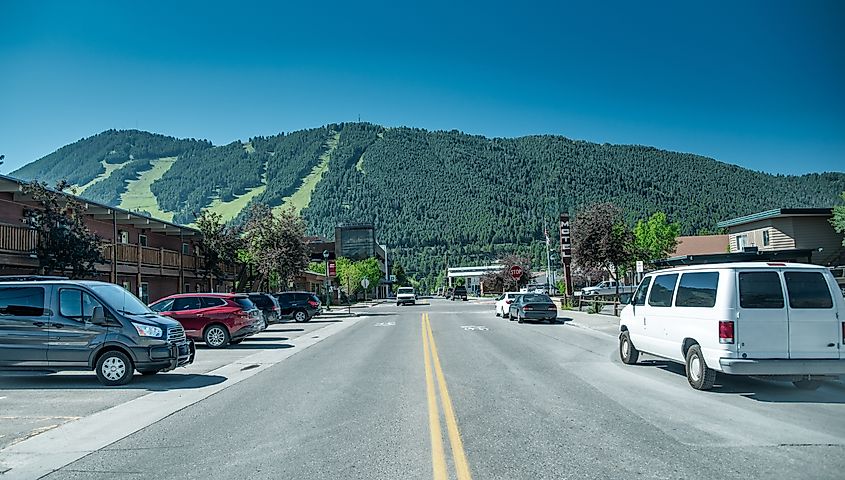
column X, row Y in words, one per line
column 217, row 319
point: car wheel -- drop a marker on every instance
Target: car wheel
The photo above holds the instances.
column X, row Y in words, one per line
column 300, row 316
column 807, row 384
column 216, row 336
column 398, row 304
column 627, row 351
column 699, row 376
column 149, row 372
column 114, row 368
column 497, row 312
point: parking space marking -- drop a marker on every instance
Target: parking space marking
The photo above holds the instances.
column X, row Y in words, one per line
column 474, row 327
column 385, row 324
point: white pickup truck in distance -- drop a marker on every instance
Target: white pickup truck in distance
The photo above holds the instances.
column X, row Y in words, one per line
column 406, row 295
column 607, row 287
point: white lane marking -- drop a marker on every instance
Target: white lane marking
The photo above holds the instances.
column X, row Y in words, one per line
column 385, row 324
column 45, row 453
column 474, row 327
column 2, row 398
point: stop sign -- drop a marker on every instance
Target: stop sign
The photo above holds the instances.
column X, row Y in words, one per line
column 516, row 272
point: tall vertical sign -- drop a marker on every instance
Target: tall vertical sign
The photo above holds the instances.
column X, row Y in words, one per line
column 566, row 251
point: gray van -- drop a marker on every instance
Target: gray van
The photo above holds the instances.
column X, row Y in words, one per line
column 53, row 324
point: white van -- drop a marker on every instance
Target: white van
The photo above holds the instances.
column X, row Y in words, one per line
column 783, row 320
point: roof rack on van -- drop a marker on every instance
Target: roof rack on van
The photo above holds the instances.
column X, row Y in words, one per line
column 799, row 255
column 30, row 278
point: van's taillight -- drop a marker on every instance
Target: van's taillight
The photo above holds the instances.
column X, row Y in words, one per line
column 508, row 301
column 726, row 331
column 313, row 303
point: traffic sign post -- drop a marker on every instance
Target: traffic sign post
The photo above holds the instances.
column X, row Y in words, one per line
column 365, row 282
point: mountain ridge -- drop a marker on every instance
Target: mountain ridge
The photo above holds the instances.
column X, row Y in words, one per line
column 429, row 193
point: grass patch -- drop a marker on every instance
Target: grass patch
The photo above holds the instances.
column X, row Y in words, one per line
column 230, row 210
column 110, row 167
column 301, row 198
column 138, row 195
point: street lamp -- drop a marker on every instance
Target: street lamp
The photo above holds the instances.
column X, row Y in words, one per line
column 328, row 293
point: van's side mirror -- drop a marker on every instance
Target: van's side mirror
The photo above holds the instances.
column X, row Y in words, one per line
column 98, row 316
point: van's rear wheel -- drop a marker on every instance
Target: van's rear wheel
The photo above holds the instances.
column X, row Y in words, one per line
column 699, row 376
column 807, row 384
column 114, row 368
column 627, row 351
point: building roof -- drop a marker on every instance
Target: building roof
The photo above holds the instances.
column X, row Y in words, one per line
column 702, row 244
column 778, row 212
column 794, row 255
column 104, row 212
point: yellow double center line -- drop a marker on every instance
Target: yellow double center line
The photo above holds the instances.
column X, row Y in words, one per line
column 438, row 458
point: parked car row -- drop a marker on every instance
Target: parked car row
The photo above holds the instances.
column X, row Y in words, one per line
column 55, row 324
column 522, row 307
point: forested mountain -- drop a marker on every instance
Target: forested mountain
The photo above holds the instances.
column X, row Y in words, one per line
column 433, row 196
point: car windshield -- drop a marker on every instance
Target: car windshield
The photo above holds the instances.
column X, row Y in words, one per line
column 406, row 290
column 121, row 299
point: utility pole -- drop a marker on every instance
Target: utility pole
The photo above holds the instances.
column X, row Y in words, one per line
column 548, row 258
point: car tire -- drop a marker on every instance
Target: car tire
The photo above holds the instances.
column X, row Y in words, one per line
column 627, row 351
column 216, row 336
column 497, row 313
column 699, row 375
column 807, row 384
column 398, row 304
column 300, row 316
column 149, row 372
column 114, row 368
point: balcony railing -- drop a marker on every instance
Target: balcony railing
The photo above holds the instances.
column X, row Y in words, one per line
column 17, row 239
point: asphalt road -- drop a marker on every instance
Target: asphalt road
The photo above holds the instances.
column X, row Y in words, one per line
column 529, row 402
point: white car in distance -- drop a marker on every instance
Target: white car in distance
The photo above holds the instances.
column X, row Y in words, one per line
column 503, row 303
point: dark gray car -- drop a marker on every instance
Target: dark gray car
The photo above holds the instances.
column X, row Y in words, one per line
column 58, row 325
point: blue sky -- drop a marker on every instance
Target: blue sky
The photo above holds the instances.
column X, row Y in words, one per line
column 754, row 83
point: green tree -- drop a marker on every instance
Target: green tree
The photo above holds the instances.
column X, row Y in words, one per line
column 275, row 243
column 838, row 220
column 65, row 245
column 371, row 270
column 401, row 276
column 317, row 267
column 655, row 238
column 219, row 243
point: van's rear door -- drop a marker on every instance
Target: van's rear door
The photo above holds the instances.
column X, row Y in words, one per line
column 762, row 325
column 814, row 328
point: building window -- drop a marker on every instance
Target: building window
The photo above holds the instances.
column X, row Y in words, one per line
column 127, row 285
column 187, row 288
column 741, row 242
column 144, row 292
column 186, row 249
column 142, row 240
column 765, row 238
column 122, row 236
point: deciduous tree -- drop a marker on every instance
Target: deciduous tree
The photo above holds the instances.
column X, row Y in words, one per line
column 219, row 244
column 601, row 240
column 275, row 242
column 838, row 220
column 65, row 245
column 655, row 238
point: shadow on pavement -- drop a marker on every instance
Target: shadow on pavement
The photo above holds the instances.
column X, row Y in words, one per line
column 760, row 389
column 379, row 314
column 278, row 330
column 266, row 339
column 259, row 346
column 154, row 383
column 325, row 321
